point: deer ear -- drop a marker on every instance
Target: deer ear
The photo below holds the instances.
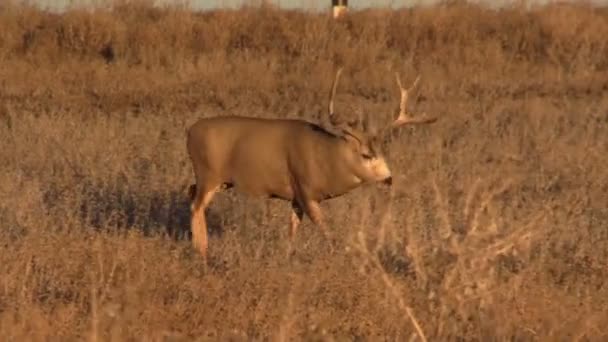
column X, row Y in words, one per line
column 349, row 136
column 337, row 120
column 370, row 127
column 351, row 141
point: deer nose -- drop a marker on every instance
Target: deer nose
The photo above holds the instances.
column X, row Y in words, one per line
column 388, row 181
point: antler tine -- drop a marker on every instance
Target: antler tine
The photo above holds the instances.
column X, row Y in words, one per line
column 403, row 117
column 415, row 83
column 332, row 95
column 404, row 94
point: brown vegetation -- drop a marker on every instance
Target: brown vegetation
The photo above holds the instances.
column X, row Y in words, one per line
column 497, row 226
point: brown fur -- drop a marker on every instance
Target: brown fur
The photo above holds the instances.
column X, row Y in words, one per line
column 293, row 160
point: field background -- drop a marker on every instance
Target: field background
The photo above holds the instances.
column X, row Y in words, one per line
column 496, row 227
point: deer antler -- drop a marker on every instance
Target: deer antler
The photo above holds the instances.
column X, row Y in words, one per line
column 405, row 118
column 332, row 95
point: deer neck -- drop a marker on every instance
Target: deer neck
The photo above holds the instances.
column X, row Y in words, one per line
column 343, row 173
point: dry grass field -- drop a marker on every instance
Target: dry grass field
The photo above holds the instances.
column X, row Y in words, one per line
column 496, row 227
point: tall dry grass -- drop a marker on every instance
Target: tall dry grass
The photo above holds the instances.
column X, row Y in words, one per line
column 496, row 227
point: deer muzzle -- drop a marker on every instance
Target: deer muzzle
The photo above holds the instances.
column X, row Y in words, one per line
column 388, row 181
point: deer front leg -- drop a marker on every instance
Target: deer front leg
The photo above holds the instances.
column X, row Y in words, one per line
column 313, row 210
column 296, row 218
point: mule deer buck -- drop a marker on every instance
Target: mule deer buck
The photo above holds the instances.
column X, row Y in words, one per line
column 289, row 159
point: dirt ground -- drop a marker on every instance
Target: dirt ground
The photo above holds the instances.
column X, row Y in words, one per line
column 496, row 227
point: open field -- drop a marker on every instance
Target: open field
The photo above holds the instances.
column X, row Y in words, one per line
column 496, row 227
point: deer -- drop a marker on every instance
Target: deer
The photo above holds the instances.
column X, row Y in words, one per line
column 295, row 160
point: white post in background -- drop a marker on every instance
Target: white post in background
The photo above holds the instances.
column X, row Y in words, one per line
column 339, row 8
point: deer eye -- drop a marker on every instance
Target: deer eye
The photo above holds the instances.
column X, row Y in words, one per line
column 366, row 156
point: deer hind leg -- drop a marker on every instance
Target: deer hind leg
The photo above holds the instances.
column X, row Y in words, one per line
column 203, row 196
